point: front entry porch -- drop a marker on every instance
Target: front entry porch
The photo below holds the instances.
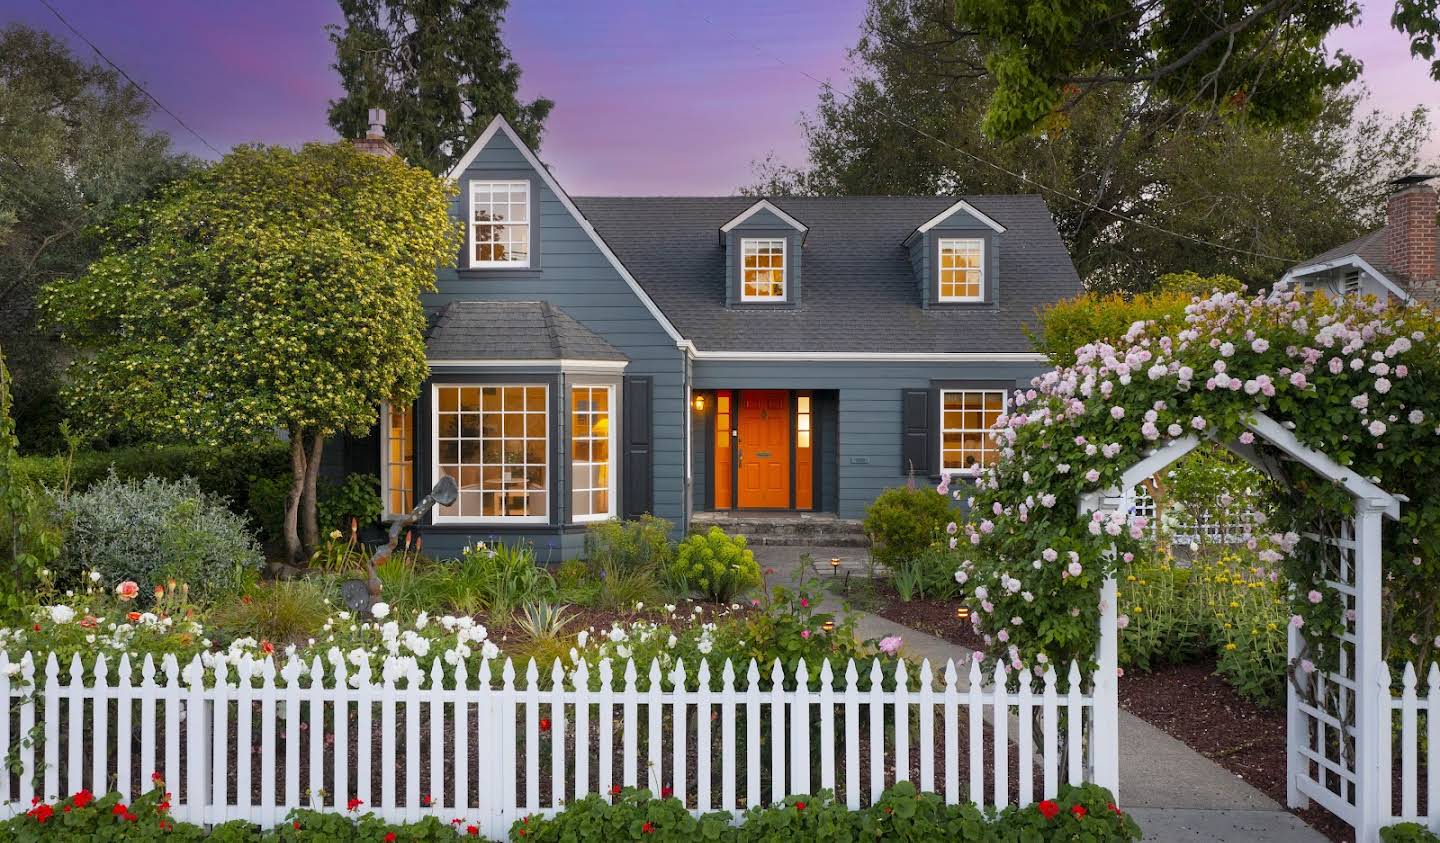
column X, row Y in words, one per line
column 764, row 450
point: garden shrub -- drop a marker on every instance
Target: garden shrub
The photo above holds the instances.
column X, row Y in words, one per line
column 1408, row 833
column 357, row 497
column 227, row 472
column 1166, row 619
column 1083, row 812
column 902, row 522
column 282, row 611
column 643, row 542
column 154, row 530
column 929, row 575
column 715, row 565
column 626, row 814
column 499, row 578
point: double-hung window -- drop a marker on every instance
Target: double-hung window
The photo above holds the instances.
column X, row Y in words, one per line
column 495, row 442
column 762, row 269
column 966, row 416
column 397, row 458
column 592, row 453
column 499, row 224
column 962, row 270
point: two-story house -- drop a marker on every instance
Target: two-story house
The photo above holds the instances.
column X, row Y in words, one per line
column 594, row 358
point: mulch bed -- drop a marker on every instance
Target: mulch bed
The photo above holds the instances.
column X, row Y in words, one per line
column 934, row 617
column 1194, row 705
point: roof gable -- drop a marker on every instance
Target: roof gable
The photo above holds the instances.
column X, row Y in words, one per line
column 764, row 205
column 961, row 207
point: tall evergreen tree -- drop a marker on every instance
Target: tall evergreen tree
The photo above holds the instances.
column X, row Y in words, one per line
column 440, row 70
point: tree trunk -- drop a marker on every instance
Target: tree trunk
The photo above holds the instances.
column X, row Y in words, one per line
column 308, row 505
column 294, row 553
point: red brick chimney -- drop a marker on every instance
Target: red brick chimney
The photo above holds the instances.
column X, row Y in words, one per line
column 1412, row 232
column 375, row 143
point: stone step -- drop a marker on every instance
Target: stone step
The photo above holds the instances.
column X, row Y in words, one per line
column 785, row 528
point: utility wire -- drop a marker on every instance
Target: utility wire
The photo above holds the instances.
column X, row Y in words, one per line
column 121, row 71
column 1024, row 178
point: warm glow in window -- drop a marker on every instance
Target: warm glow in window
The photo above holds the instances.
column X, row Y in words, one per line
column 397, row 440
column 962, row 270
column 500, row 223
column 592, row 490
column 762, row 266
column 802, row 421
column 494, row 440
column 966, row 416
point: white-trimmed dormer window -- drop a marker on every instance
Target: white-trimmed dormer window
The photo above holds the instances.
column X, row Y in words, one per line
column 966, row 416
column 962, row 269
column 762, row 267
column 499, row 224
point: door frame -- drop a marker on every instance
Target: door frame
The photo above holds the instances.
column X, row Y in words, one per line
column 734, row 453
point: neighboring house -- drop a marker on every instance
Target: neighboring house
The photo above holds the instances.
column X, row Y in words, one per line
column 595, row 358
column 1395, row 261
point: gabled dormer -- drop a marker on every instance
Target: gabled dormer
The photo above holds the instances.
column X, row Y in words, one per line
column 763, row 249
column 956, row 258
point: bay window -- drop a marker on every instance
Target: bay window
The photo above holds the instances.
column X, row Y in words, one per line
column 495, row 442
column 592, row 453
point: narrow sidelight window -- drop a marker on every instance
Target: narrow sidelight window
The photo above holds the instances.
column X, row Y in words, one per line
column 499, row 224
column 962, row 270
column 762, row 267
column 494, row 440
column 592, row 448
column 966, row 416
column 397, row 458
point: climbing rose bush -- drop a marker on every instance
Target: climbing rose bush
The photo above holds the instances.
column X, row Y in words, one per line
column 1354, row 379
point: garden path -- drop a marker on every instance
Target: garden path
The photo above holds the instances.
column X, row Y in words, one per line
column 1176, row 794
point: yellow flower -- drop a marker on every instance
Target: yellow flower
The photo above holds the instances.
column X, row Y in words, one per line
column 1231, row 645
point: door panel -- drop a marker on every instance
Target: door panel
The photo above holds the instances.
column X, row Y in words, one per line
column 764, row 442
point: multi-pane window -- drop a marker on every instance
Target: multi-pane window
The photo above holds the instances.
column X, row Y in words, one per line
column 494, row 440
column 762, row 268
column 500, row 223
column 592, row 453
column 966, row 416
column 397, row 457
column 962, row 270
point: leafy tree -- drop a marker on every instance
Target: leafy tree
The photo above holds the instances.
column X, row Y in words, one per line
column 1261, row 59
column 910, row 124
column 440, row 70
column 278, row 290
column 73, row 148
column 28, row 537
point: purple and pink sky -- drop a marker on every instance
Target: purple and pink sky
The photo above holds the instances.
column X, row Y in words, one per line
column 650, row 98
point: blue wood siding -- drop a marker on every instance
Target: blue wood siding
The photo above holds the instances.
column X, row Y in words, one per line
column 868, row 413
column 764, row 224
column 573, row 274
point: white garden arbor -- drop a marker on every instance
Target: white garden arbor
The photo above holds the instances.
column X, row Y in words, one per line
column 1339, row 721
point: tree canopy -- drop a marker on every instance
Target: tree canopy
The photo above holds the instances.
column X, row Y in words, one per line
column 73, row 149
column 275, row 290
column 439, row 69
column 910, row 123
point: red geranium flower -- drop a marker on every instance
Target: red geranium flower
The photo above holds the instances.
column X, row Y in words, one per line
column 42, row 812
column 82, row 798
column 1048, row 809
column 615, row 790
column 267, row 648
column 354, row 803
column 1078, row 810
column 472, row 830
column 799, row 806
column 133, row 617
column 156, row 777
column 389, row 837
column 648, row 828
column 427, row 800
column 295, row 825
column 119, row 810
column 666, row 792
column 544, row 724
column 1114, row 810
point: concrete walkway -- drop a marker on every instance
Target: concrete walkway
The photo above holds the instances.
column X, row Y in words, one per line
column 1176, row 794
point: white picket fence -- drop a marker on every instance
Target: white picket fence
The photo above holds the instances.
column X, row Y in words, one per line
column 1411, row 709
column 256, row 743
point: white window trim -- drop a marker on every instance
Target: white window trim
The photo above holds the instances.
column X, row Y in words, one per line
column 784, row 269
column 529, row 220
column 939, row 270
column 385, row 488
column 435, row 516
column 610, row 472
column 965, row 472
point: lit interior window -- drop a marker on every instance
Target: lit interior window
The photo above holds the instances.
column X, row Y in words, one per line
column 763, row 269
column 966, row 416
column 500, row 223
column 962, row 273
column 494, row 441
column 592, row 454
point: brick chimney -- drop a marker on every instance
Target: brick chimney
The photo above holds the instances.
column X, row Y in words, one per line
column 1412, row 232
column 375, row 143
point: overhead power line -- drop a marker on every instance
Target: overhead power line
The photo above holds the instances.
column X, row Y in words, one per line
column 120, row 70
column 1007, row 171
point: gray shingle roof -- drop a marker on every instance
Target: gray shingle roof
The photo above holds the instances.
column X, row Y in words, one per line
column 508, row 330
column 1370, row 246
column 858, row 291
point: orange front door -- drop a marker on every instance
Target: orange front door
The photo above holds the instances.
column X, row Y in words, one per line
column 764, row 442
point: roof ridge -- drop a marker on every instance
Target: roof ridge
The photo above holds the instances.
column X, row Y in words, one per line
column 547, row 314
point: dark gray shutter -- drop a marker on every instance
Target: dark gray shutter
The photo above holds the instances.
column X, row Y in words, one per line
column 917, row 444
column 639, row 470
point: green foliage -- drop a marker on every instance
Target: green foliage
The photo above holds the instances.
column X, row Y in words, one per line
column 1084, row 812
column 573, row 575
column 29, row 539
column 618, row 588
column 904, row 813
column 1167, row 621
column 1289, row 192
column 286, row 611
column 804, row 817
column 1408, row 833
column 497, row 578
column 1100, row 317
column 640, row 543
column 903, row 522
column 440, row 70
column 789, row 628
column 715, row 565
column 628, row 814
column 356, row 497
column 930, row 574
column 543, row 620
column 155, row 530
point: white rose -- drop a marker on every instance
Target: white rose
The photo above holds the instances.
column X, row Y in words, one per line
column 61, row 614
column 380, row 610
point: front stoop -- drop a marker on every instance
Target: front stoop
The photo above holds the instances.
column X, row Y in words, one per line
column 785, row 528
